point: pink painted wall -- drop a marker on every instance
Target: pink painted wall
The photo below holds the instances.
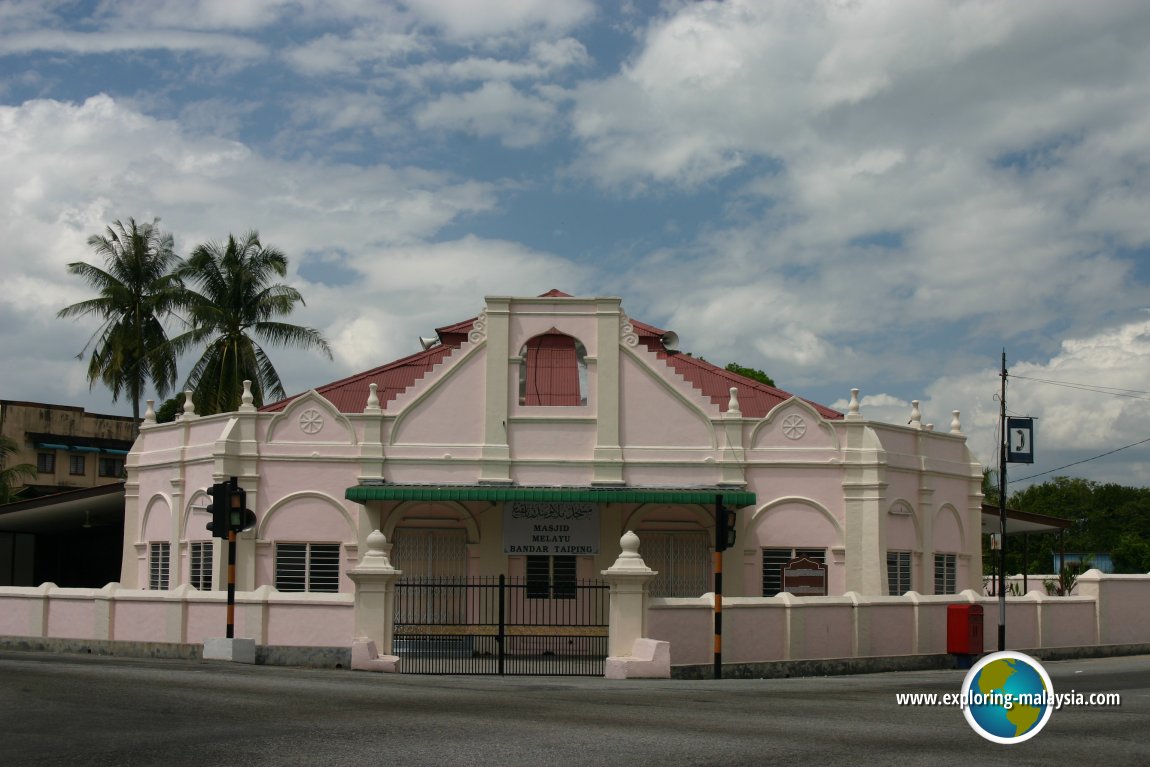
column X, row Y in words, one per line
column 822, row 628
column 72, row 618
column 141, row 620
column 886, row 627
column 754, row 633
column 310, row 625
column 651, row 413
column 688, row 624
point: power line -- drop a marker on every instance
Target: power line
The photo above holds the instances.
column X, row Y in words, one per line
column 1113, row 391
column 1085, row 460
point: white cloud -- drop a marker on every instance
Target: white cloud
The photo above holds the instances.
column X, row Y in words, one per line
column 430, row 285
column 196, row 14
column 368, row 47
column 1103, row 404
column 493, row 110
column 463, row 19
column 909, row 170
column 228, row 46
column 66, row 170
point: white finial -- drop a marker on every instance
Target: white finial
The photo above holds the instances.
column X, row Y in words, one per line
column 915, row 414
column 928, row 427
column 853, row 407
column 733, row 403
column 189, row 406
column 955, row 423
column 150, row 413
column 372, row 399
column 629, row 559
column 246, row 399
column 377, row 547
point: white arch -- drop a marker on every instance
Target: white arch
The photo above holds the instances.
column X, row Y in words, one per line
column 948, row 508
column 762, row 512
column 186, row 514
column 637, row 515
column 912, row 513
column 464, row 517
column 149, row 509
column 328, row 501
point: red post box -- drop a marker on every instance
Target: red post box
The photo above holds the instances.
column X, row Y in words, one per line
column 964, row 629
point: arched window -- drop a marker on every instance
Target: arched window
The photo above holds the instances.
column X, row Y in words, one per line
column 553, row 371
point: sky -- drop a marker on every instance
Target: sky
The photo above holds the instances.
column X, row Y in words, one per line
column 882, row 195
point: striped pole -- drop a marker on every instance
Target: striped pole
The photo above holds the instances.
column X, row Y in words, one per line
column 720, row 544
column 231, row 583
column 718, row 615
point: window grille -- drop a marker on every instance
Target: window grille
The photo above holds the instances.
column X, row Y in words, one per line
column 430, row 553
column 945, row 567
column 111, row 467
column 200, row 565
column 898, row 572
column 159, row 555
column 775, row 559
column 45, row 463
column 307, row 567
column 551, row 577
column 682, row 559
column 76, row 464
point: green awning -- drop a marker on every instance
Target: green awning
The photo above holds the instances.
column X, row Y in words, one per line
column 705, row 495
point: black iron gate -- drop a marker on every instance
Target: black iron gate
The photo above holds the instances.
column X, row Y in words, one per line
column 500, row 625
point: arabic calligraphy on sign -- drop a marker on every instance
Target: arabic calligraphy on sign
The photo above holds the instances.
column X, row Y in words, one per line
column 546, row 528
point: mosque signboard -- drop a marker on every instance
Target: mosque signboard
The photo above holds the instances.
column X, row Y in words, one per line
column 551, row 529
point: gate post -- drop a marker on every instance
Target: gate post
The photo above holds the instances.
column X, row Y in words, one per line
column 629, row 653
column 374, row 580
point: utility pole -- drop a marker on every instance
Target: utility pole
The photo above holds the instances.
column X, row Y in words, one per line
column 1002, row 513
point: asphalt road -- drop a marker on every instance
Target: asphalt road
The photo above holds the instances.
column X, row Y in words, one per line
column 83, row 710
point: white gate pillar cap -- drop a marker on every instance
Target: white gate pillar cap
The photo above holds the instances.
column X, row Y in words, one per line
column 629, row 561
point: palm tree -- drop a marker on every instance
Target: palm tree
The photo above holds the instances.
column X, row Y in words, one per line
column 235, row 299
column 10, row 476
column 137, row 293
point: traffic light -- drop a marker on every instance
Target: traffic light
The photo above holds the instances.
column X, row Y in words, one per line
column 725, row 523
column 218, row 508
column 240, row 517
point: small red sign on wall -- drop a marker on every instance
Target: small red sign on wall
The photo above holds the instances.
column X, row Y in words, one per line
column 805, row 577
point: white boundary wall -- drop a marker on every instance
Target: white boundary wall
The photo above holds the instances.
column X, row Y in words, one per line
column 180, row 616
column 1108, row 610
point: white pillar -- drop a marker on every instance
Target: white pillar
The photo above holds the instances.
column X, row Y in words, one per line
column 629, row 653
column 374, row 580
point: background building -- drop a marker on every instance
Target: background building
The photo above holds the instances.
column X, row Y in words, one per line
column 65, row 526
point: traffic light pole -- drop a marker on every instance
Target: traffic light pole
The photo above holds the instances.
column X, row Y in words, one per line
column 231, row 630
column 230, row 516
column 720, row 544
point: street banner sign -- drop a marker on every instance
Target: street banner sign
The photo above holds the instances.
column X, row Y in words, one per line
column 1020, row 440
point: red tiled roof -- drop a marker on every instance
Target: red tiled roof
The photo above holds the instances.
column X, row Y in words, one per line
column 349, row 395
column 755, row 399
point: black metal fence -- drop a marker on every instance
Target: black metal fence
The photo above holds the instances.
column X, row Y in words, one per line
column 500, row 625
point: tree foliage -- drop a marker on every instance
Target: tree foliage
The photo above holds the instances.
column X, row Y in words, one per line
column 11, row 476
column 752, row 373
column 136, row 293
column 231, row 302
column 1108, row 518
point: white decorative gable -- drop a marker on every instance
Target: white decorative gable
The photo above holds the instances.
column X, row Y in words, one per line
column 311, row 419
